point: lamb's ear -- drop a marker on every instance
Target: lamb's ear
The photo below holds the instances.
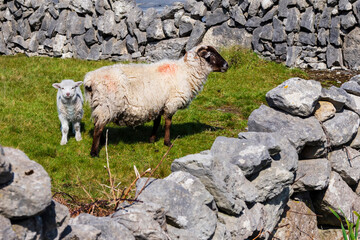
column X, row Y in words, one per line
column 56, row 85
column 78, row 84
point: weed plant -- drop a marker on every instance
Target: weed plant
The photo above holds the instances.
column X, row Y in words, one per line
column 29, row 121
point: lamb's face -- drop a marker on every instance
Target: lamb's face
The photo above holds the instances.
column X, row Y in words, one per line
column 213, row 58
column 67, row 88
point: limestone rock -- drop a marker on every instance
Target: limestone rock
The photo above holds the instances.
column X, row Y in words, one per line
column 290, row 97
column 346, row 162
column 342, row 127
column 30, row 191
column 324, row 111
column 300, row 132
column 186, row 216
column 312, row 175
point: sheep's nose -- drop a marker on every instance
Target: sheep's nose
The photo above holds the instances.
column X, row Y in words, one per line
column 225, row 67
column 67, row 94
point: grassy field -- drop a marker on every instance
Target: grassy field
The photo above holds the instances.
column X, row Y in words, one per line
column 28, row 119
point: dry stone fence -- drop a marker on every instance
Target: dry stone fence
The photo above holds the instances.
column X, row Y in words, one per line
column 299, row 157
column 319, row 34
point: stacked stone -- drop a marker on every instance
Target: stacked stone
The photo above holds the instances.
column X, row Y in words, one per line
column 26, row 209
column 320, row 34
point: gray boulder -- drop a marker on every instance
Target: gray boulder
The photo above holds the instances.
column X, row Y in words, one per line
column 250, row 157
column 75, row 25
column 149, row 16
column 337, row 195
column 155, row 30
column 300, row 132
column 224, row 35
column 312, row 175
column 243, row 226
column 224, row 181
column 348, row 21
column 334, row 57
column 170, row 49
column 80, row 48
column 29, row 228
column 342, row 128
column 351, row 87
column 351, row 49
column 292, row 23
column 83, row 231
column 356, row 141
column 82, row 6
column 308, row 19
column 55, row 219
column 291, row 97
column 196, row 35
column 271, row 182
column 283, row 154
column 108, row 226
column 170, row 29
column 194, row 186
column 186, row 216
column 30, row 191
column 338, row 97
column 216, row 17
column 142, row 221
column 6, row 231
column 346, row 162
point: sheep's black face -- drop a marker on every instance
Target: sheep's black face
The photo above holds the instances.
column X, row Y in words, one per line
column 213, row 58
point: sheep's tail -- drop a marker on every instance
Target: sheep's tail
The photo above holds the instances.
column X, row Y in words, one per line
column 88, row 88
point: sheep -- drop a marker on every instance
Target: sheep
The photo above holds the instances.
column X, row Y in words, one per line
column 69, row 101
column 132, row 94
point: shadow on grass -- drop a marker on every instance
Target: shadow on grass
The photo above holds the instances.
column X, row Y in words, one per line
column 129, row 135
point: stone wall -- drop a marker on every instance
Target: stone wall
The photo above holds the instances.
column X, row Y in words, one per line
column 318, row 34
column 278, row 180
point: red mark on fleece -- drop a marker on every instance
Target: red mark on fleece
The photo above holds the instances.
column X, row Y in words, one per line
column 167, row 68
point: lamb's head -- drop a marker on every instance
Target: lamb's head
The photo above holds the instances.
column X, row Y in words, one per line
column 208, row 54
column 67, row 88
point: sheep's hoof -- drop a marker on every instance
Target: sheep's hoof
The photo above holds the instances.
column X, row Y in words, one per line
column 167, row 143
column 63, row 142
column 152, row 139
column 94, row 154
column 78, row 138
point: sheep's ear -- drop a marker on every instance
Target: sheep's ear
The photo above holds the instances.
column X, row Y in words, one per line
column 56, row 85
column 204, row 52
column 78, row 84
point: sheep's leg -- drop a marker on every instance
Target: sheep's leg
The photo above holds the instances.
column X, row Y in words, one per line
column 76, row 126
column 155, row 128
column 167, row 141
column 64, row 130
column 96, row 140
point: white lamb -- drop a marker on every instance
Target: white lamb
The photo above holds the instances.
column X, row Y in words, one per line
column 69, row 101
column 132, row 94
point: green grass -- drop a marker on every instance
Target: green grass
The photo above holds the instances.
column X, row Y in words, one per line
column 28, row 119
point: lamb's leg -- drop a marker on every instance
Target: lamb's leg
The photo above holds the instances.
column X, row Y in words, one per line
column 64, row 130
column 155, row 128
column 96, row 140
column 167, row 141
column 76, row 126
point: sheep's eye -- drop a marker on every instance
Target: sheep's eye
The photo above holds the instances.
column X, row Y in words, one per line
column 62, row 88
column 73, row 88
